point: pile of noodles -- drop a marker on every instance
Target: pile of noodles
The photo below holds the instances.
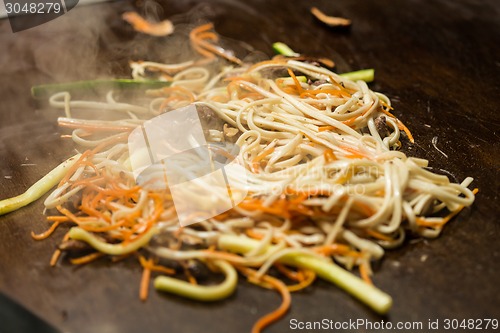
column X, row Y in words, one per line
column 326, row 182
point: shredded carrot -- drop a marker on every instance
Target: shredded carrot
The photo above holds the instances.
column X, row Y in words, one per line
column 46, row 233
column 86, row 259
column 314, row 92
column 190, row 277
column 263, row 154
column 363, row 208
column 299, row 88
column 74, row 167
column 200, row 37
column 364, row 272
column 310, row 276
column 310, row 138
column 69, row 214
column 338, row 249
column 292, row 275
column 55, row 257
column 146, row 276
column 347, row 92
column 331, row 21
column 378, row 235
column 144, row 288
column 252, row 234
column 423, row 222
column 351, row 121
column 235, row 88
column 400, row 124
column 57, row 218
column 280, row 311
column 354, row 153
column 175, row 94
column 385, row 105
column 329, row 155
column 57, row 252
column 326, row 128
column 162, row 269
column 158, row 29
column 116, row 139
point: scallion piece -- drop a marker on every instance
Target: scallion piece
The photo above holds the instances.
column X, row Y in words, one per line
column 327, row 270
column 366, row 75
column 283, row 49
column 46, row 90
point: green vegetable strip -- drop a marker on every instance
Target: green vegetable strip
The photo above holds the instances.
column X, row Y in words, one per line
column 39, row 188
column 282, row 48
column 368, row 294
column 366, row 75
column 201, row 293
column 112, row 249
column 46, row 90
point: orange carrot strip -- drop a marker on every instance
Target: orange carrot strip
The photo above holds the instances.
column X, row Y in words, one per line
column 57, row 218
column 421, row 221
column 387, row 106
column 329, row 155
column 280, row 311
column 346, row 92
column 74, row 167
column 116, row 139
column 363, row 271
column 208, row 35
column 292, row 275
column 140, row 24
column 400, row 124
column 300, row 90
column 310, row 276
column 69, row 214
column 86, row 259
column 326, row 128
column 378, row 235
column 364, row 208
column 314, row 92
column 146, row 276
column 57, row 252
column 162, row 269
column 339, row 249
column 199, row 38
column 46, row 233
column 355, row 153
column 252, row 234
column 263, row 154
column 190, row 277
column 332, row 21
column 219, row 51
column 351, row 121
column 201, row 28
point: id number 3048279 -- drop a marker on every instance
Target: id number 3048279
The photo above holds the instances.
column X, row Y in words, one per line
column 13, row 7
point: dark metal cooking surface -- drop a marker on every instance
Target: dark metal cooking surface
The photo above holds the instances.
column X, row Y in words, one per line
column 439, row 63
